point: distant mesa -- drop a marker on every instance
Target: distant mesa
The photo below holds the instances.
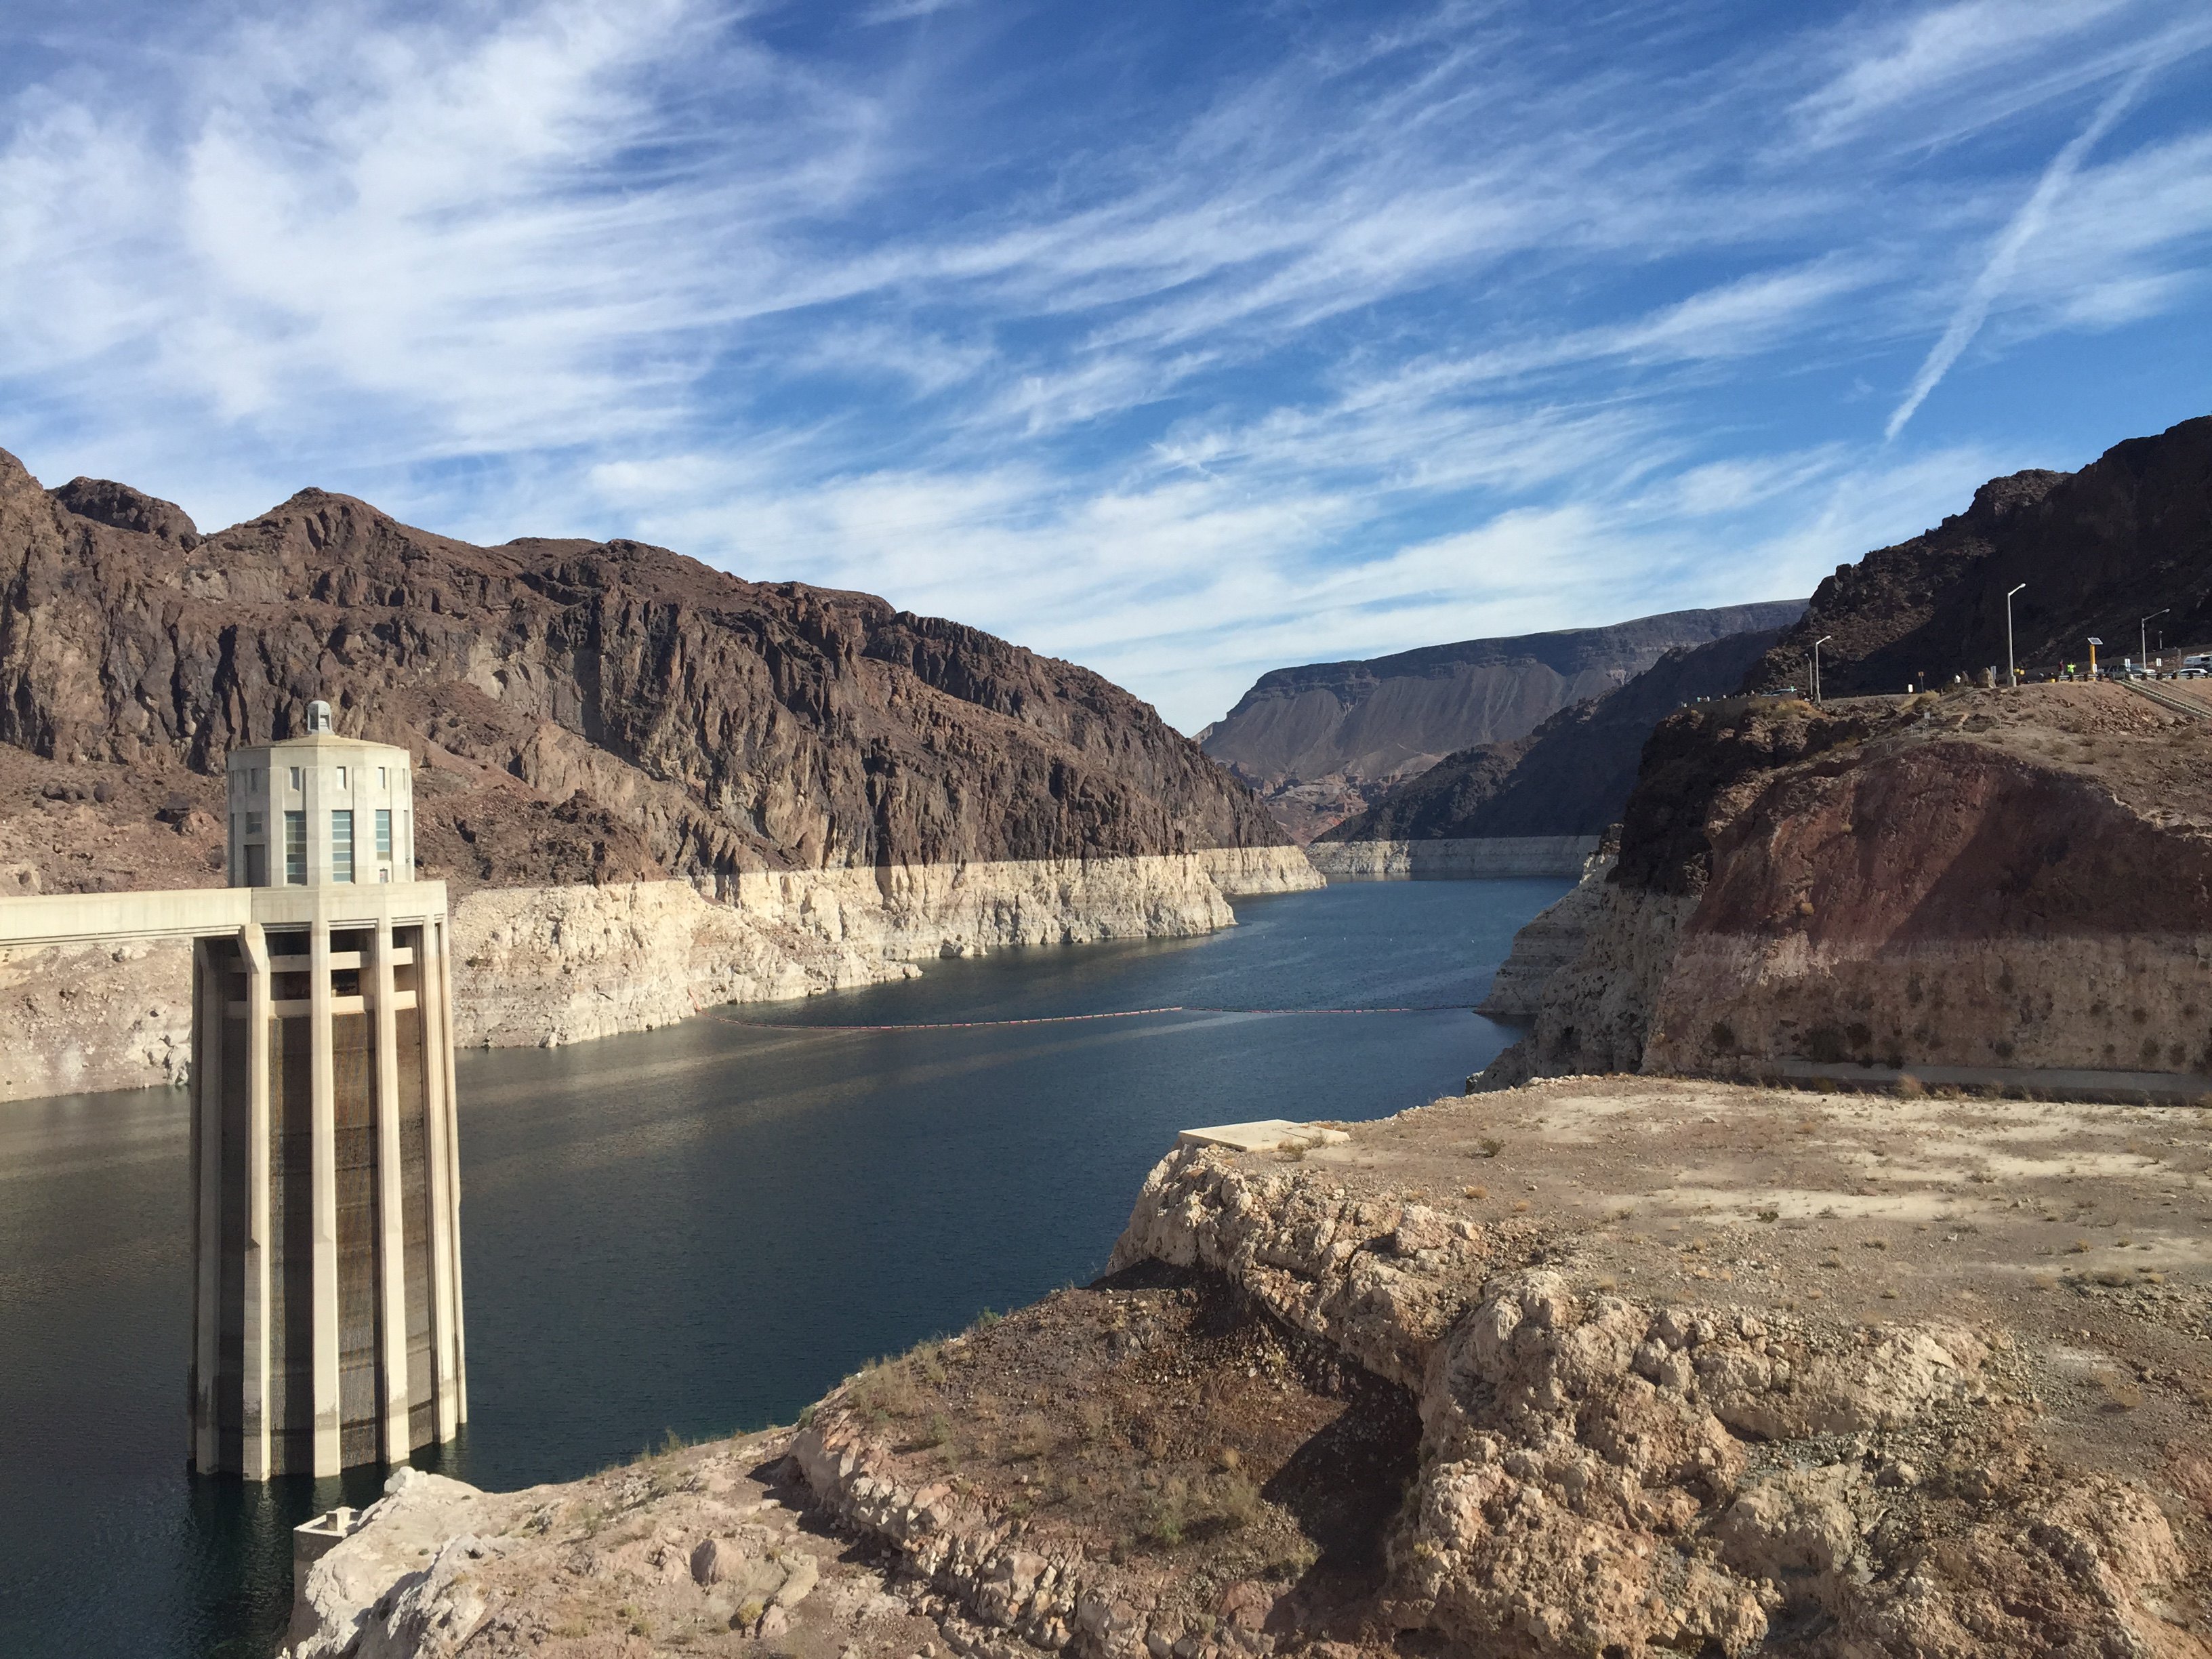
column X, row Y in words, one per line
column 1573, row 775
column 1326, row 742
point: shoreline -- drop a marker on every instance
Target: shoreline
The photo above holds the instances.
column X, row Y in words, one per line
column 548, row 966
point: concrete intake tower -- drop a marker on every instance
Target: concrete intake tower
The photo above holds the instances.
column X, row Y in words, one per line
column 326, row 1285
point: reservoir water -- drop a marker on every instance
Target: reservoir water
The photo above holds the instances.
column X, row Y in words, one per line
column 698, row 1229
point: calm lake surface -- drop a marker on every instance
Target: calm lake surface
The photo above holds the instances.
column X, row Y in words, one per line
column 699, row 1229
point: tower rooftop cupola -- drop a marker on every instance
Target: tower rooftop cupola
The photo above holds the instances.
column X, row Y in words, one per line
column 320, row 809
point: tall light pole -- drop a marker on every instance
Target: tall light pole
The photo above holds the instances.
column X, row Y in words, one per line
column 2142, row 631
column 1817, row 644
column 2011, row 674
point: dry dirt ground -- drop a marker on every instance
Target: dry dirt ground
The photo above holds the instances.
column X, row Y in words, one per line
column 1606, row 1366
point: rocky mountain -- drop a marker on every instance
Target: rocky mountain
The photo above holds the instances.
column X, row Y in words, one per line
column 1327, row 741
column 651, row 787
column 1990, row 886
column 1571, row 775
column 2099, row 550
column 584, row 710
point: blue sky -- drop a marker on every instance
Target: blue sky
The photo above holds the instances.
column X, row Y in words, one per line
column 1183, row 340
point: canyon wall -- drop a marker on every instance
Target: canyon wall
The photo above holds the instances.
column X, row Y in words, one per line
column 1452, row 860
column 650, row 786
column 1987, row 884
column 1324, row 742
column 538, row 966
column 580, row 711
column 1572, row 775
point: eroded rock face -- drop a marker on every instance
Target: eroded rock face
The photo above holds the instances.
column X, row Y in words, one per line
column 1551, row 940
column 2098, row 548
column 1604, row 1474
column 735, row 726
column 1326, row 742
column 1992, row 881
column 650, row 787
column 1571, row 775
column 539, row 966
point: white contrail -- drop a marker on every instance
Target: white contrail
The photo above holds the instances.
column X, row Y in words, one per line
column 1966, row 322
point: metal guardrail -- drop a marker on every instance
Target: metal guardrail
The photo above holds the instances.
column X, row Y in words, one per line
column 2179, row 705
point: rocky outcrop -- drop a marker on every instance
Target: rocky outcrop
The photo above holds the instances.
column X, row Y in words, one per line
column 1452, row 860
column 1571, row 776
column 1324, row 742
column 650, row 787
column 1552, row 938
column 2001, row 881
column 733, row 725
column 1333, row 1398
column 1602, row 1474
column 2098, row 551
column 88, row 1018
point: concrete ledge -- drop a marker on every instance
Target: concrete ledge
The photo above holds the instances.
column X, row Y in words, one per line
column 1486, row 859
column 1269, row 1134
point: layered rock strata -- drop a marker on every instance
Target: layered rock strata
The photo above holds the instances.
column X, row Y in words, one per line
column 1452, row 860
column 1571, row 775
column 1999, row 884
column 1551, row 939
column 1325, row 741
column 1345, row 1402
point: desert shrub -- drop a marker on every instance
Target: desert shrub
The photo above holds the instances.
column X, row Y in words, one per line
column 1235, row 1501
column 886, row 1389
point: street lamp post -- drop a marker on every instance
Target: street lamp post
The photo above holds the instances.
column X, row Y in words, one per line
column 2011, row 674
column 1817, row 644
column 2142, row 631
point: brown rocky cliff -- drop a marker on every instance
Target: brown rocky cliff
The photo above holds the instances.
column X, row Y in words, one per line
column 2100, row 548
column 1997, row 882
column 714, row 725
column 1326, row 741
column 1572, row 775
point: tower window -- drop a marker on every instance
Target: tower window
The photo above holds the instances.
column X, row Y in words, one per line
column 342, row 846
column 342, row 777
column 384, row 777
column 253, row 823
column 383, row 832
column 295, row 777
column 295, row 849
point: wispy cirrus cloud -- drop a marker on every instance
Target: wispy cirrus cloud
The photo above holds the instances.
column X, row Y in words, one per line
column 1183, row 342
